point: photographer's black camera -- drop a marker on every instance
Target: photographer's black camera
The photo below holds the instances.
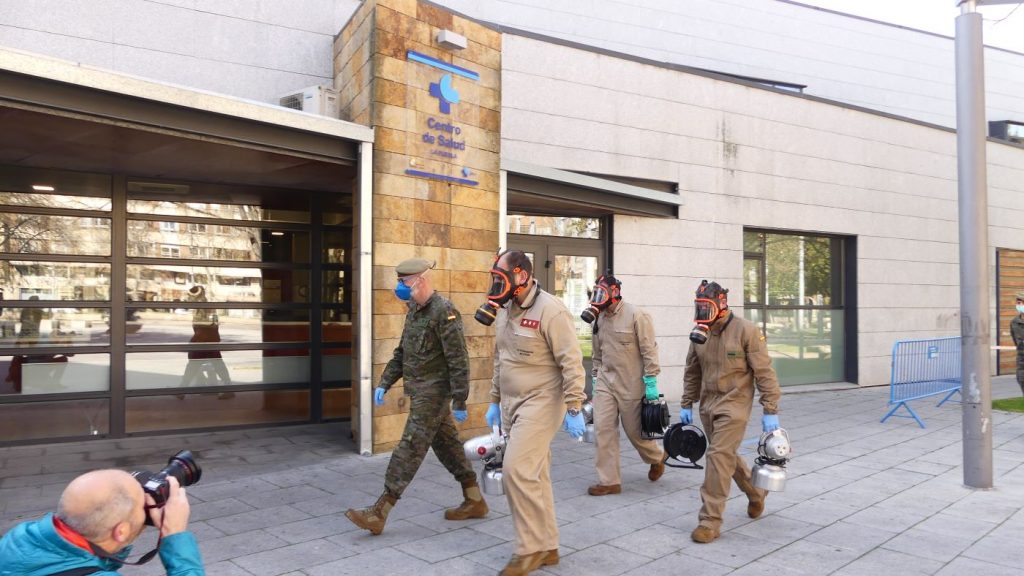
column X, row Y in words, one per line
column 182, row 466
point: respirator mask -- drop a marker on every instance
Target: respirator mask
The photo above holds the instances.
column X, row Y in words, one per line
column 711, row 301
column 607, row 291
column 503, row 289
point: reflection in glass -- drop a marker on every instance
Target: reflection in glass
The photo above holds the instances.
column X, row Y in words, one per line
column 191, row 411
column 235, row 326
column 753, row 242
column 752, row 280
column 63, row 419
column 554, row 226
column 21, row 280
column 806, row 346
column 218, row 202
column 147, row 370
column 798, row 270
column 40, row 327
column 574, row 275
column 336, row 244
column 39, row 372
column 337, row 366
column 334, row 287
column 192, row 241
column 171, row 283
column 23, row 233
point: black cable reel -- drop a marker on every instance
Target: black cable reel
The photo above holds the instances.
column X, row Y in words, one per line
column 684, row 443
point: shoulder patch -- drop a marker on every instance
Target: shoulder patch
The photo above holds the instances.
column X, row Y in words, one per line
column 527, row 323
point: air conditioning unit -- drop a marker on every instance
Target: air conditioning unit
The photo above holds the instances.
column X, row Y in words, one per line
column 315, row 100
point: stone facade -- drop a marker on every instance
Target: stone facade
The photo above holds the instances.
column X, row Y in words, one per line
column 445, row 217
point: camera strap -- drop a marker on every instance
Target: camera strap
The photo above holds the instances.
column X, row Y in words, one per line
column 85, row 571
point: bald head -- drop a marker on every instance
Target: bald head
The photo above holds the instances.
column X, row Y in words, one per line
column 95, row 502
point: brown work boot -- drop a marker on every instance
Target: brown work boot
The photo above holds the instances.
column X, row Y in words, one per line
column 755, row 505
column 657, row 469
column 522, row 565
column 703, row 534
column 602, row 490
column 374, row 517
column 473, row 505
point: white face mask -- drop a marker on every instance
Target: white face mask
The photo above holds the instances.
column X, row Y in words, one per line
column 1020, row 308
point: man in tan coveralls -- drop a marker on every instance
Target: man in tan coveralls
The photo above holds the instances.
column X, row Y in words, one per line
column 721, row 373
column 625, row 371
column 538, row 386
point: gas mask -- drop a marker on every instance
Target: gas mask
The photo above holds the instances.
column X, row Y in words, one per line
column 503, row 289
column 769, row 471
column 607, row 291
column 712, row 300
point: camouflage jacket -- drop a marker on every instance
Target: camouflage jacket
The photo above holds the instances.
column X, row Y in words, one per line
column 432, row 356
column 1017, row 332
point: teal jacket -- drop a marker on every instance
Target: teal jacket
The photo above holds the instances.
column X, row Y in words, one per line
column 36, row 549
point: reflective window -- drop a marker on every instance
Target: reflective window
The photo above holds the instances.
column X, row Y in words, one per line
column 205, row 367
column 191, row 411
column 206, row 325
column 26, row 233
column 554, row 226
column 60, row 419
column 54, row 189
column 42, row 327
column 41, row 280
column 174, row 283
column 218, row 202
column 574, row 276
column 189, row 241
column 791, row 289
column 41, row 373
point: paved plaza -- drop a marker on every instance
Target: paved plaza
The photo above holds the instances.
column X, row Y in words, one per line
column 862, row 498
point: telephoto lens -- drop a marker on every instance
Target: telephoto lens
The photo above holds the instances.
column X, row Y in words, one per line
column 182, row 466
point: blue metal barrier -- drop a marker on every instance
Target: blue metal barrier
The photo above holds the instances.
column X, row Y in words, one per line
column 923, row 368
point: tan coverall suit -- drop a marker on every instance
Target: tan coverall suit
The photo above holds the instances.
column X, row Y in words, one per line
column 624, row 352
column 721, row 373
column 538, row 374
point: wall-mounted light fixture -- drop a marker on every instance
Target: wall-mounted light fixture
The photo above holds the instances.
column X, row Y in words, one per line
column 451, row 40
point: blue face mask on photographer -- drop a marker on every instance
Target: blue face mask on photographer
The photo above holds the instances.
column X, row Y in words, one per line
column 404, row 291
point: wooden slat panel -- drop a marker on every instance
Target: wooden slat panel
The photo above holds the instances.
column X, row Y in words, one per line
column 1010, row 281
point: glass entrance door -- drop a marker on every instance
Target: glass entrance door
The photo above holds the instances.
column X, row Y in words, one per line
column 567, row 268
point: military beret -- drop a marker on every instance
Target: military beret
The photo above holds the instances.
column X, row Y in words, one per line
column 413, row 266
column 1020, row 295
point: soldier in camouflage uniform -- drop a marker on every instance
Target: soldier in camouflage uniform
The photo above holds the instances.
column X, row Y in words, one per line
column 432, row 359
column 1017, row 333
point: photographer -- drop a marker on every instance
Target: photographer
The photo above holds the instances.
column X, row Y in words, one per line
column 99, row 516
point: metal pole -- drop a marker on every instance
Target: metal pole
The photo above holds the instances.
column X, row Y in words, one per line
column 364, row 277
column 972, row 189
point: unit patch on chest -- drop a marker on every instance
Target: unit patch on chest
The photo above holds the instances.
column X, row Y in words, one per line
column 527, row 323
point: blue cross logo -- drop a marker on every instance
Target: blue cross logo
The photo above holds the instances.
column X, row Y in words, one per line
column 444, row 92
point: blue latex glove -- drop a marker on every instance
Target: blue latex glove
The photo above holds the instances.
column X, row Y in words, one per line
column 770, row 422
column 460, row 415
column 686, row 415
column 575, row 425
column 493, row 416
column 378, row 396
column 651, row 387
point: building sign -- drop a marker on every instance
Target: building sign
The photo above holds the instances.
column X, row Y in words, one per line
column 442, row 136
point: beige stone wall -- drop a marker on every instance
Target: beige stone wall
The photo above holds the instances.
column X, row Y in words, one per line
column 454, row 224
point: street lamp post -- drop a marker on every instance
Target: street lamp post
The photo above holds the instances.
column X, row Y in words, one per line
column 972, row 189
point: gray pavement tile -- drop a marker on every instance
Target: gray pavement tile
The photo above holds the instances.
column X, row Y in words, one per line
column 924, row 467
column 453, row 567
column 237, row 545
column 598, row 560
column 410, row 506
column 438, row 523
column 653, row 541
column 819, row 511
column 226, row 568
column 886, row 519
column 336, row 503
column 970, row 566
column 280, row 496
column 218, row 508
column 398, row 532
column 449, row 545
column 295, row 557
column 590, row 531
column 990, row 506
column 681, row 564
column 312, row 528
column 952, row 525
column 646, row 513
column 501, row 528
column 929, row 545
column 732, row 549
column 253, row 519
column 853, row 537
column 765, row 568
column 382, row 561
column 779, row 529
column 243, row 486
column 881, row 561
column 997, row 550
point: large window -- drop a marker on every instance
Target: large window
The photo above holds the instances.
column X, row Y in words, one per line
column 793, row 289
column 236, row 305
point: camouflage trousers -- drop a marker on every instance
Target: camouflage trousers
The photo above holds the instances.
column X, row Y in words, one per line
column 1020, row 371
column 429, row 424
